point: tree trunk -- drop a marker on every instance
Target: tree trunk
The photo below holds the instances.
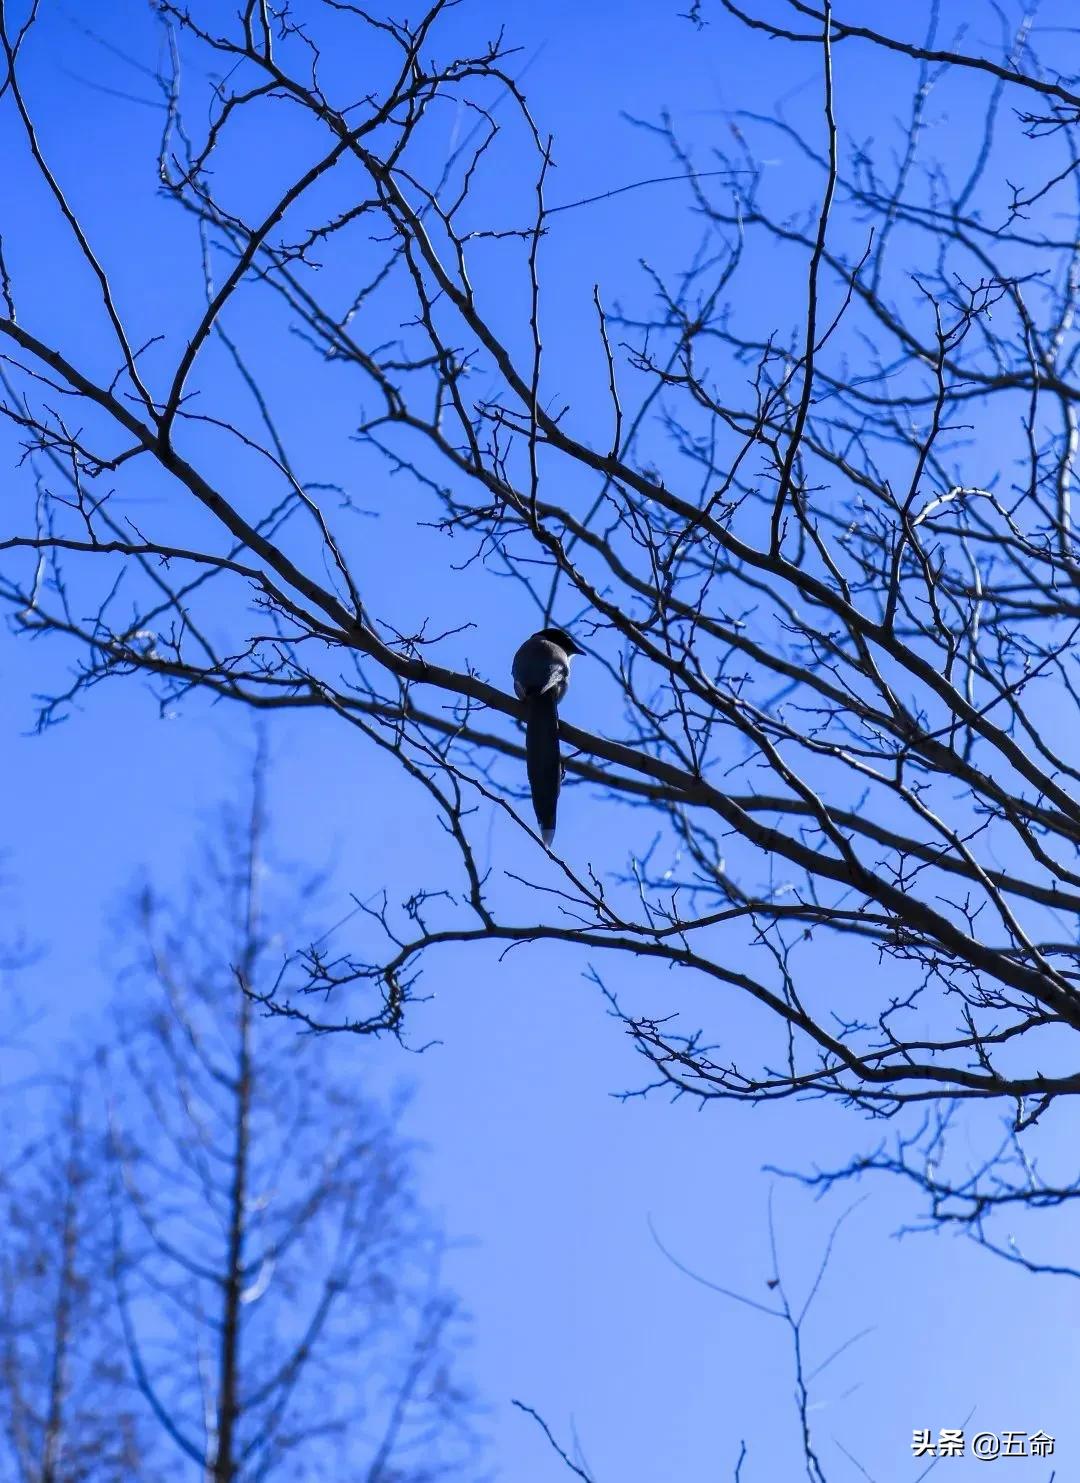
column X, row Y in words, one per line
column 225, row 1464
column 52, row 1441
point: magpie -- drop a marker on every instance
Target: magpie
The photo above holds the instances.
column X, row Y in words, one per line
column 541, row 674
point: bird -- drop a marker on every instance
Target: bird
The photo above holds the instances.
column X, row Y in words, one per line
column 541, row 672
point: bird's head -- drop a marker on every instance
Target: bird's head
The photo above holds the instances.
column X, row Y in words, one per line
column 562, row 638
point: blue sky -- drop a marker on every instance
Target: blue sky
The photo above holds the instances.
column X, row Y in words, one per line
column 549, row 1181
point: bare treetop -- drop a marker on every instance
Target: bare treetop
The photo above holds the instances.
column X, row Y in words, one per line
column 819, row 541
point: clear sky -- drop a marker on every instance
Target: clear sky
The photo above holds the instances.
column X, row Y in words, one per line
column 551, row 1183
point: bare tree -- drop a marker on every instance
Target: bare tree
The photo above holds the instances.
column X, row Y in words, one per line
column 278, row 1283
column 822, row 552
column 819, row 1365
column 67, row 1410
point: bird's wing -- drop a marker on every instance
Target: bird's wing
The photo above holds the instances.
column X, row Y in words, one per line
column 539, row 666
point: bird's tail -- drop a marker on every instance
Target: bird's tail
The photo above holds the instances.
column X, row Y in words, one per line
column 542, row 760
